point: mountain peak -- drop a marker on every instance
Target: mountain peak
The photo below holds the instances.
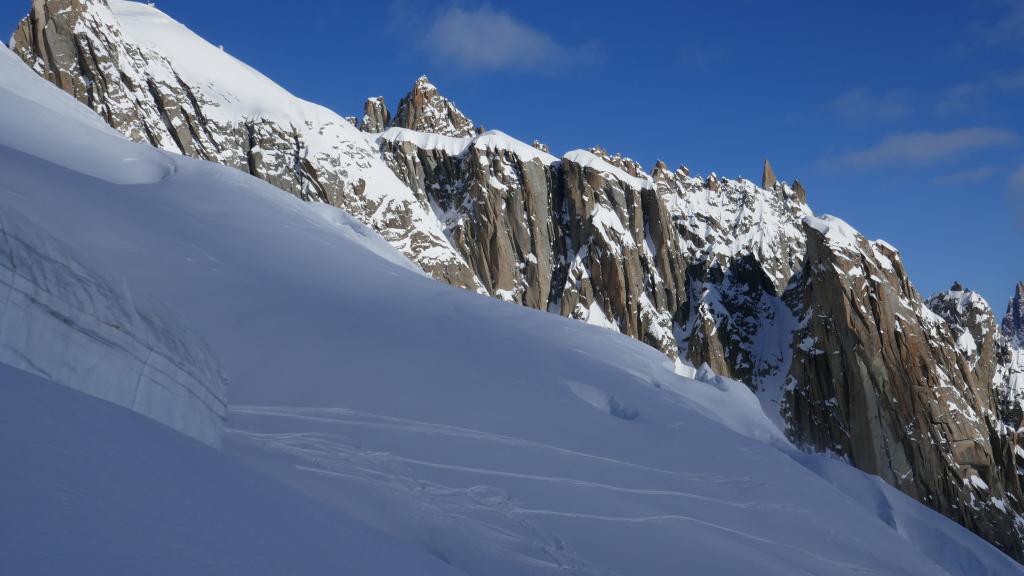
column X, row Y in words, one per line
column 424, row 109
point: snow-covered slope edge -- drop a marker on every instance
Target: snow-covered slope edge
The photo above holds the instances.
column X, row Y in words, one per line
column 502, row 440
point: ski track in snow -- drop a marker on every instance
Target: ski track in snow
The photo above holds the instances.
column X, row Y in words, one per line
column 451, row 489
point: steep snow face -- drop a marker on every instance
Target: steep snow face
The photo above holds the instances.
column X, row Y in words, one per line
column 499, row 439
column 91, row 488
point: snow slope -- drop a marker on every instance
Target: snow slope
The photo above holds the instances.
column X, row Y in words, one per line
column 91, row 488
column 499, row 439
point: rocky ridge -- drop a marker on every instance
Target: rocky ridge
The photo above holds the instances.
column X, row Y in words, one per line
column 825, row 326
column 137, row 86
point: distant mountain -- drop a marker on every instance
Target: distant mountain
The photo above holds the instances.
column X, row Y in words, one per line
column 823, row 325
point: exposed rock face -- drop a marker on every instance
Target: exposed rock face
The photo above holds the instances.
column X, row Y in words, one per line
column 798, row 188
column 878, row 378
column 424, row 109
column 824, row 325
column 376, row 116
column 592, row 237
column 768, row 180
column 311, row 153
column 1009, row 361
column 1013, row 323
column 973, row 325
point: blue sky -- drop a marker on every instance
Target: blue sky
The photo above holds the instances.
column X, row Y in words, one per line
column 904, row 118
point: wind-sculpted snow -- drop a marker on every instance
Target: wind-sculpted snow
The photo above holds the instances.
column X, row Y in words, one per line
column 498, row 439
column 64, row 322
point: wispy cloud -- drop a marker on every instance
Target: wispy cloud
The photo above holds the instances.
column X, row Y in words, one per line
column 1010, row 81
column 923, row 148
column 1010, row 27
column 1017, row 181
column 970, row 96
column 962, row 97
column 1015, row 195
column 860, row 104
column 487, row 39
column 973, row 176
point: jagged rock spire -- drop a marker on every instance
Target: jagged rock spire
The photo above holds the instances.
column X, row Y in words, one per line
column 1013, row 323
column 424, row 109
column 767, row 176
column 801, row 193
column 376, row 115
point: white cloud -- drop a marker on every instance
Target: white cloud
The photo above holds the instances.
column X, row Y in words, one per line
column 922, row 148
column 862, row 105
column 487, row 39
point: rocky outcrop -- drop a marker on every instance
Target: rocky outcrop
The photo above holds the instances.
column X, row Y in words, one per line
column 376, row 117
column 824, row 325
column 424, row 109
column 878, row 378
column 973, row 326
